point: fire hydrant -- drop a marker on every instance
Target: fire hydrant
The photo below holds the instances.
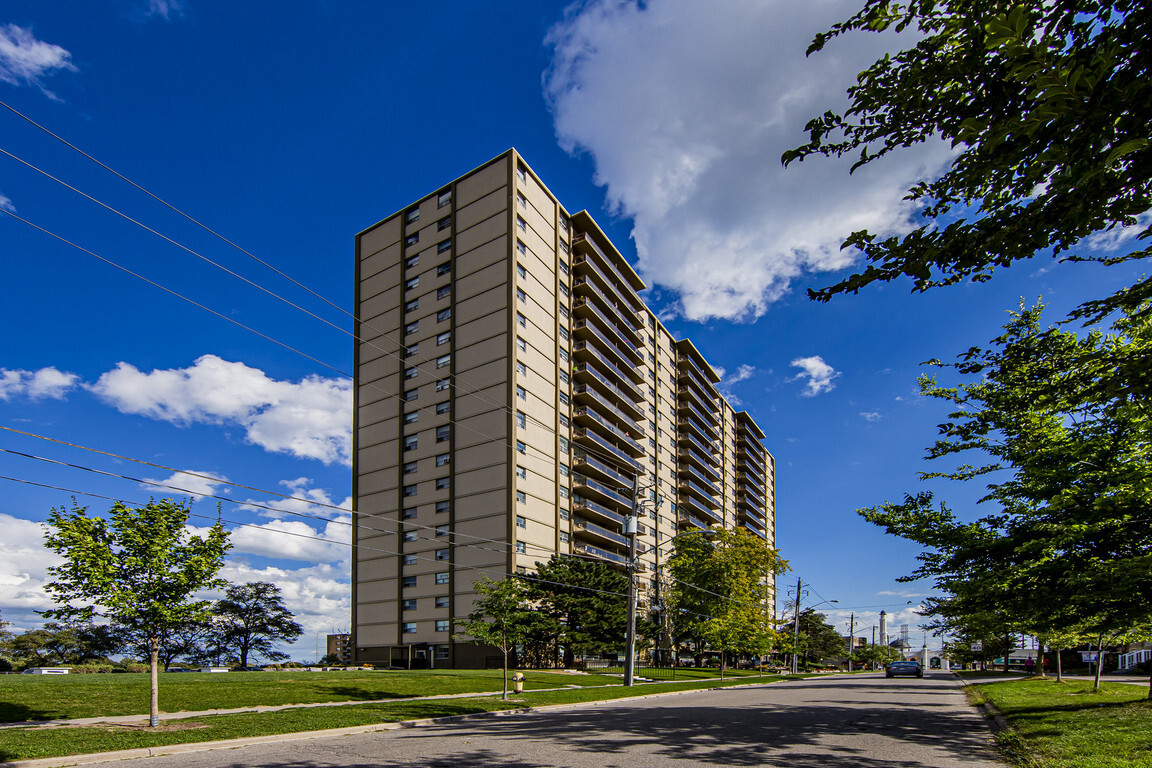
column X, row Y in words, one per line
column 518, row 682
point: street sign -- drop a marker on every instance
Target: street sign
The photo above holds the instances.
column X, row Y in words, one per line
column 977, row 645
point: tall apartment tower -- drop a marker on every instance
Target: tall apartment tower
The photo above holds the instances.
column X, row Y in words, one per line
column 510, row 384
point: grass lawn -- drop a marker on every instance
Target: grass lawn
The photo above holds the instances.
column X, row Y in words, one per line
column 28, row 743
column 1066, row 725
column 49, row 697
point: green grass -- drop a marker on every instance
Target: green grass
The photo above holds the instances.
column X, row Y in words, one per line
column 32, row 743
column 1066, row 725
column 681, row 673
column 50, row 697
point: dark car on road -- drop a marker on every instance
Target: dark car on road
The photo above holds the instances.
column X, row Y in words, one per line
column 909, row 668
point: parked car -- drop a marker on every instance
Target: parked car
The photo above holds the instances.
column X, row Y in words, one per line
column 909, row 668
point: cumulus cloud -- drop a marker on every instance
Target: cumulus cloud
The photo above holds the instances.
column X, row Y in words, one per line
column 46, row 383
column 685, row 108
column 191, row 481
column 305, row 501
column 24, row 563
column 816, row 373
column 24, row 60
column 872, row 416
column 319, row 596
column 328, row 542
column 311, row 418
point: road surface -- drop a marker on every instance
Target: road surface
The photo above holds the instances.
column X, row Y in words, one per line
column 860, row 721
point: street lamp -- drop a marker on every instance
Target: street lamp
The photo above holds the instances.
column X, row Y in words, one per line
column 796, row 620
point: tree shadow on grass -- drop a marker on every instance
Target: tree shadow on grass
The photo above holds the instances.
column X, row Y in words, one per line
column 22, row 713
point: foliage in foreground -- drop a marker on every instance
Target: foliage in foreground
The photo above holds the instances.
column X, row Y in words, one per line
column 1067, row 725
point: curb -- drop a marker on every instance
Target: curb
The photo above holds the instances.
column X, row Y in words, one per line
column 988, row 709
column 208, row 746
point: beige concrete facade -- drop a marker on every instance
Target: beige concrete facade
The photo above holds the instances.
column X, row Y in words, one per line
column 510, row 383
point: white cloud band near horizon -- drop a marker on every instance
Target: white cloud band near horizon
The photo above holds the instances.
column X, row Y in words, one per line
column 685, row 109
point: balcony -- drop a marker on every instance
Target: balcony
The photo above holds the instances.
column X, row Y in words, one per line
column 690, row 470
column 590, row 507
column 753, row 450
column 599, row 368
column 586, row 395
column 691, row 425
column 749, row 503
column 687, row 519
column 589, row 306
column 749, row 469
column 761, row 532
column 636, row 375
column 692, row 457
column 690, row 505
column 600, row 532
column 603, row 554
column 709, row 421
column 603, row 491
column 700, row 492
column 621, row 291
column 744, row 512
column 582, row 330
column 689, row 374
column 627, row 446
column 585, row 375
column 752, row 492
column 687, row 438
column 586, row 464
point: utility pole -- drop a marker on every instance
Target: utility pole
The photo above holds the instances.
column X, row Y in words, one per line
column 630, row 531
column 851, row 638
column 796, row 627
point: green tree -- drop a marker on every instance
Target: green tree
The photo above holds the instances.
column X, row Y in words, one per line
column 502, row 616
column 139, row 569
column 1048, row 106
column 55, row 644
column 721, row 590
column 584, row 600
column 186, row 641
column 818, row 640
column 251, row 619
column 879, row 655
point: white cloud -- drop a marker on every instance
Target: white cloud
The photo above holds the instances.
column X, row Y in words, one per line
column 193, row 482
column 319, row 596
column 743, row 373
column 1112, row 239
column 304, row 501
column 166, row 9
column 45, row 383
column 6, row 203
column 295, row 540
column 311, row 418
column 24, row 563
column 686, row 107
column 872, row 416
column 818, row 373
column 24, row 60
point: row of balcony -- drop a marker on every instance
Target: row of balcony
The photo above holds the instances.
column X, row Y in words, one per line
column 613, row 557
column 590, row 361
column 706, row 417
column 591, row 304
column 687, row 438
column 629, row 447
column 584, row 246
column 688, row 423
column 632, row 374
column 586, row 395
column 591, row 507
column 690, row 470
column 690, row 374
column 585, row 374
column 689, row 455
column 701, row 492
column 605, row 492
column 686, row 410
column 586, row 463
column 690, row 505
column 585, row 331
column 588, row 528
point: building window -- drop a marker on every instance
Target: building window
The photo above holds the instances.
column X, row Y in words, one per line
column 521, row 392
column 521, row 344
column 444, row 268
column 520, row 548
column 444, row 200
column 413, row 215
column 442, row 384
column 441, row 554
column 412, row 327
column 521, row 472
column 564, row 333
column 521, row 368
column 564, row 398
column 521, row 200
column 521, row 271
column 521, row 248
column 408, row 581
column 520, row 447
column 441, row 530
column 411, row 373
column 441, row 483
column 442, row 460
column 411, row 283
column 442, row 408
column 564, row 471
column 411, row 349
column 412, row 306
column 411, row 467
column 408, row 513
column 521, row 296
column 410, row 418
column 411, row 394
column 563, row 445
column 443, row 315
column 444, row 223
column 441, row 652
column 443, row 291
column 410, row 490
column 443, row 506
column 407, row 605
column 408, row 627
column 441, row 247
column 521, row 521
column 409, row 535
column 564, row 247
column 412, row 239
column 563, row 495
column 443, row 338
column 521, row 419
column 563, row 420
column 564, row 223
column 410, row 442
column 563, row 537
column 564, row 289
column 564, row 312
column 443, row 433
column 409, row 559
column 521, row 497
column 564, row 268
column 564, row 355
column 442, row 601
column 412, row 261
column 564, row 513
column 441, row 626
column 442, row 577
column 564, row 377
column 522, row 174
column 521, row 320
column 443, row 361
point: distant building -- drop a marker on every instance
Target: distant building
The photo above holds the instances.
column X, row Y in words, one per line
column 341, row 647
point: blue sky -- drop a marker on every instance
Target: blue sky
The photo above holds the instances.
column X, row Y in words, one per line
column 288, row 132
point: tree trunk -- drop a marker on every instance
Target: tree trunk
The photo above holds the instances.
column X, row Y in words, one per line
column 722, row 661
column 1007, row 651
column 1040, row 658
column 154, row 699
column 1099, row 662
column 1059, row 667
column 504, row 693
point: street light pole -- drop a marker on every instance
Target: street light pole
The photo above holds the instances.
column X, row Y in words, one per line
column 851, row 638
column 630, row 531
column 796, row 627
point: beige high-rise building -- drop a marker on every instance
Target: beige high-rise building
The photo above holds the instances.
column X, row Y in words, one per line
column 510, row 384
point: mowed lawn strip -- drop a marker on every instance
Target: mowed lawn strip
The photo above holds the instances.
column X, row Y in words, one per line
column 30, row 743
column 51, row 697
column 1066, row 725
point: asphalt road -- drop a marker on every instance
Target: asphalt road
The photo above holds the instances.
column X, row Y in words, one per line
column 862, row 721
